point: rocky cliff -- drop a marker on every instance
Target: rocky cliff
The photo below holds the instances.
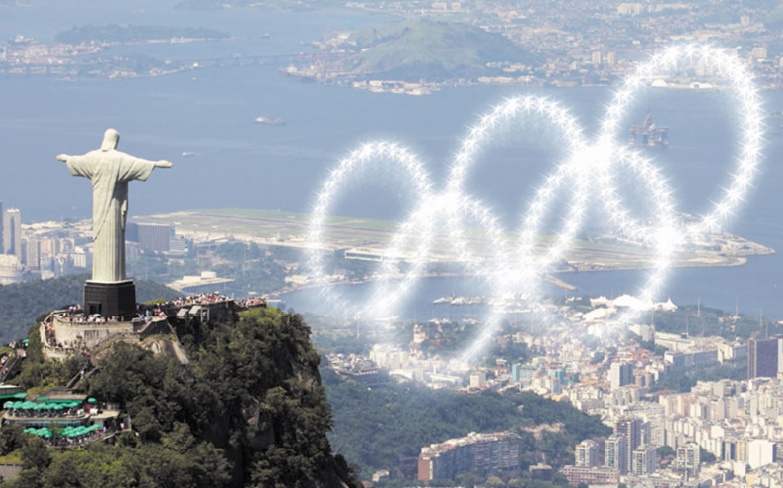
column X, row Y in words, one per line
column 246, row 409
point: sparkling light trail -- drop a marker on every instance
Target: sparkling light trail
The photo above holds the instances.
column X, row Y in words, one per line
column 584, row 181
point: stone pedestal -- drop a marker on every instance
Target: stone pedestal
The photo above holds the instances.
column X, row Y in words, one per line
column 110, row 299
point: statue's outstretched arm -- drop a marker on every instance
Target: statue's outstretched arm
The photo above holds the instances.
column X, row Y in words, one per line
column 77, row 165
column 163, row 164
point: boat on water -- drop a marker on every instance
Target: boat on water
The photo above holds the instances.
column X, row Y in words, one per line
column 264, row 120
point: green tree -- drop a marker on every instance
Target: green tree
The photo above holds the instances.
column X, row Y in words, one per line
column 11, row 438
column 495, row 482
column 35, row 460
column 35, row 455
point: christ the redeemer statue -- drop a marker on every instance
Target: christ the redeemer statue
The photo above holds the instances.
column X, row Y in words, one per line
column 109, row 172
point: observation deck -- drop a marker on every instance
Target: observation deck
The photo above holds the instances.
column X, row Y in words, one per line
column 66, row 332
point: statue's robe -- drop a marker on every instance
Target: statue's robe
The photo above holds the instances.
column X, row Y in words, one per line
column 109, row 172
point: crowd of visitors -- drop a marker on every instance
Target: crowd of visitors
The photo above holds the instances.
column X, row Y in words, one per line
column 75, row 314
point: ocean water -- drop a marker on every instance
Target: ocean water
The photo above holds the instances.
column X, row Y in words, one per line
column 209, row 113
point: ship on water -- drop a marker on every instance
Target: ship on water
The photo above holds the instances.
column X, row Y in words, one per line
column 264, row 120
column 648, row 134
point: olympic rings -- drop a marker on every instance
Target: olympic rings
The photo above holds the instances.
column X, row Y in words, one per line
column 588, row 171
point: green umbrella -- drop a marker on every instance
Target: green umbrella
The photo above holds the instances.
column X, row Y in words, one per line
column 92, row 400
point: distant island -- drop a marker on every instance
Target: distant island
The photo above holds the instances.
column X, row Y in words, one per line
column 581, row 44
column 81, row 52
column 414, row 51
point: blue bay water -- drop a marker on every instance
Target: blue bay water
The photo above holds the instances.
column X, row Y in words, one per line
column 236, row 163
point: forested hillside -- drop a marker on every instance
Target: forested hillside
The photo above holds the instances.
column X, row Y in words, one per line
column 377, row 428
column 247, row 410
column 431, row 50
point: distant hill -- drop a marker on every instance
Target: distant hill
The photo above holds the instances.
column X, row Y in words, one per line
column 431, row 50
column 380, row 427
column 22, row 303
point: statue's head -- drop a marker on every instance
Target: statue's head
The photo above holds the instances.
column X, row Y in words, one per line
column 110, row 140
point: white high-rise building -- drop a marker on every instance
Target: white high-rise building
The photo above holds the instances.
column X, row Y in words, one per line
column 33, row 254
column 643, row 460
column 631, row 428
column 620, row 374
column 616, row 453
column 587, row 454
column 478, row 379
column 760, row 453
column 688, row 458
column 10, row 270
column 12, row 232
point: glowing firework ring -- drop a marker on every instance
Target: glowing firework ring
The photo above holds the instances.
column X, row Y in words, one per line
column 728, row 66
column 588, row 169
column 526, row 263
column 422, row 225
column 369, row 153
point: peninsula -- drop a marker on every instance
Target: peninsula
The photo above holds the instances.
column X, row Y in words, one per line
column 366, row 239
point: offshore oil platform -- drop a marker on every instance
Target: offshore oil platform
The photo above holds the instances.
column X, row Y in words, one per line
column 647, row 134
